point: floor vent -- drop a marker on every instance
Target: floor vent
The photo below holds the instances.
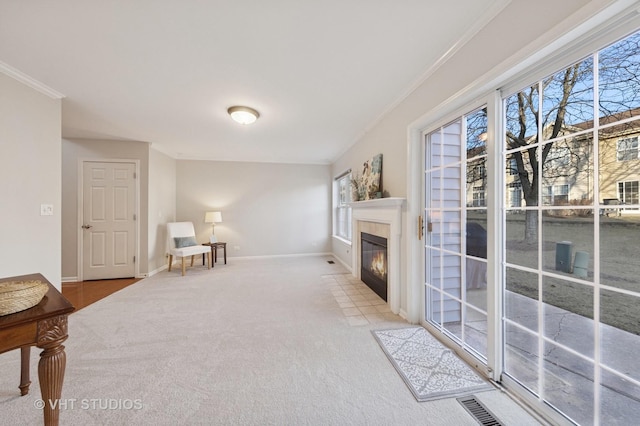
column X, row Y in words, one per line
column 479, row 411
column 331, row 262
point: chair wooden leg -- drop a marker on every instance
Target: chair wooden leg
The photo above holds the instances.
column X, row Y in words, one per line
column 170, row 261
column 184, row 266
column 192, row 256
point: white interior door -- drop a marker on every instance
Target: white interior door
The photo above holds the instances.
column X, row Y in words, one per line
column 108, row 228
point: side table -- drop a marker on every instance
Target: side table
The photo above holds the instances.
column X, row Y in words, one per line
column 45, row 326
column 214, row 250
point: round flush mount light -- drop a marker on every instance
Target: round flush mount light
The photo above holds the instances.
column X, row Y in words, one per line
column 243, row 114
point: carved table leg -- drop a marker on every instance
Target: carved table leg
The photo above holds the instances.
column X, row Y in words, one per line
column 25, row 379
column 51, row 334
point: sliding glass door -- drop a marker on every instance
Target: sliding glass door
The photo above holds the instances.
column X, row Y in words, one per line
column 560, row 317
column 572, row 294
column 456, row 237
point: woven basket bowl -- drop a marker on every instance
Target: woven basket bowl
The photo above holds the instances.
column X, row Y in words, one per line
column 16, row 296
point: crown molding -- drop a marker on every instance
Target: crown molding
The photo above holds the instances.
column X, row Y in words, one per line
column 31, row 82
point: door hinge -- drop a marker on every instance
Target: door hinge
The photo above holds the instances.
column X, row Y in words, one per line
column 134, row 217
column 135, row 175
column 134, row 259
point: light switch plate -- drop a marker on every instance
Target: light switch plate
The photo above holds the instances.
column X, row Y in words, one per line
column 46, row 209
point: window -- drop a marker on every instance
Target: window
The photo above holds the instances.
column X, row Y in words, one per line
column 628, row 192
column 478, row 196
column 628, row 149
column 555, row 195
column 342, row 222
column 514, row 194
column 573, row 131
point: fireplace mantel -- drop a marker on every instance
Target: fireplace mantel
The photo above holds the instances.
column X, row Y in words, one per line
column 385, row 211
column 378, row 202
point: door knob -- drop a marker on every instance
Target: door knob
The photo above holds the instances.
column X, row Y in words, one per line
column 87, row 226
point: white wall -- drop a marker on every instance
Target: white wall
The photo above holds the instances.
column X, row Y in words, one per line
column 162, row 206
column 29, row 176
column 75, row 150
column 267, row 209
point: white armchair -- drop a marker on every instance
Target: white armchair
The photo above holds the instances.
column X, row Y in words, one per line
column 181, row 242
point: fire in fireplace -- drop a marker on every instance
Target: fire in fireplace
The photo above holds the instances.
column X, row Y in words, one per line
column 373, row 268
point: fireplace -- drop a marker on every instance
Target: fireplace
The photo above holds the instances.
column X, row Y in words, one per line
column 382, row 217
column 373, row 265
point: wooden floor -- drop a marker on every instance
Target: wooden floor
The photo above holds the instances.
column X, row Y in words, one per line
column 84, row 293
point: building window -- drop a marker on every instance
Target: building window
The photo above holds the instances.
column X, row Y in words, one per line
column 553, row 195
column 342, row 222
column 628, row 192
column 478, row 196
column 628, row 149
column 515, row 194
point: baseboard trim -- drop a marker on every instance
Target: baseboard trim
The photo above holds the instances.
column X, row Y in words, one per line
column 275, row 256
column 157, row 270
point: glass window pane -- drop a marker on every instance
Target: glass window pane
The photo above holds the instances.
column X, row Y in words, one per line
column 519, row 250
column 477, row 133
column 475, row 330
column 620, row 317
column 435, row 313
column 521, row 122
column 433, row 183
column 451, row 143
column 619, row 79
column 568, row 244
column 618, row 238
column 434, row 149
column 452, row 231
column 451, row 274
column 434, row 267
column 521, row 298
column 476, row 276
column 567, row 101
column 476, row 234
column 568, row 383
column 521, row 356
column 476, row 182
column 568, row 312
column 519, row 179
column 453, row 317
column 567, row 177
column 451, row 185
column 619, row 401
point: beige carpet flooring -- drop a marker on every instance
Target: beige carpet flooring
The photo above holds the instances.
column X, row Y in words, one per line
column 253, row 342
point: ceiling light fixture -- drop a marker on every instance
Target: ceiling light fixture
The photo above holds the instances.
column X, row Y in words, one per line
column 243, row 114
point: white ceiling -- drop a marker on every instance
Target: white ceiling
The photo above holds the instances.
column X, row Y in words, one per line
column 320, row 73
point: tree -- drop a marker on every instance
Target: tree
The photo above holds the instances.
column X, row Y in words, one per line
column 538, row 117
column 531, row 121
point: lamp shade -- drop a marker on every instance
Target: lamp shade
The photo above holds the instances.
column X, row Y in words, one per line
column 213, row 217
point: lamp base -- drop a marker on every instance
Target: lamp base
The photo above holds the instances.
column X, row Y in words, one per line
column 213, row 239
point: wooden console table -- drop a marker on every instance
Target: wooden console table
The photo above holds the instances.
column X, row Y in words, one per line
column 45, row 326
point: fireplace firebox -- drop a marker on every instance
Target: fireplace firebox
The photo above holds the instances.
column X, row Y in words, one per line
column 373, row 270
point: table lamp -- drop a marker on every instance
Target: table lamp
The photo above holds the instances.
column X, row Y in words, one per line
column 213, row 218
